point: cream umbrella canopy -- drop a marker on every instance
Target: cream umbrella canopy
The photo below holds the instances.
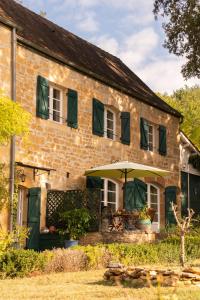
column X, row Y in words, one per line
column 126, row 169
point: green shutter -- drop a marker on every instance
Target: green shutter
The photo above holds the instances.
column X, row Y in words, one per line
column 125, row 128
column 136, row 195
column 144, row 134
column 72, row 109
column 98, row 118
column 34, row 218
column 184, row 191
column 94, row 182
column 170, row 196
column 42, row 110
column 162, row 140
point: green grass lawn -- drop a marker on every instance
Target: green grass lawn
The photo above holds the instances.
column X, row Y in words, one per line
column 85, row 285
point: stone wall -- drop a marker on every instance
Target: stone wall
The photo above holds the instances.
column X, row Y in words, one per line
column 5, row 87
column 56, row 146
column 138, row 237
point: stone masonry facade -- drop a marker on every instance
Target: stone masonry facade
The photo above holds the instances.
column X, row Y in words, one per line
column 57, row 146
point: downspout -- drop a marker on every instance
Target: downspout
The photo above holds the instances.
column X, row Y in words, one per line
column 12, row 142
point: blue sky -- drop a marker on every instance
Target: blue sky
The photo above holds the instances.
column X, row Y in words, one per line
column 125, row 28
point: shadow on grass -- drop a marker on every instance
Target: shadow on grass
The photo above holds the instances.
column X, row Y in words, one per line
column 122, row 284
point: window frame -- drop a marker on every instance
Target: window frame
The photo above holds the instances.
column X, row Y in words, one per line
column 105, row 190
column 156, row 224
column 106, row 109
column 53, row 87
column 153, row 126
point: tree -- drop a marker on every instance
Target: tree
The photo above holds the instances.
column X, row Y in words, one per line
column 187, row 101
column 182, row 29
column 184, row 225
column 14, row 120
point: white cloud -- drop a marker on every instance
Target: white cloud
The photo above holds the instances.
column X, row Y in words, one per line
column 87, row 21
column 164, row 74
column 107, row 43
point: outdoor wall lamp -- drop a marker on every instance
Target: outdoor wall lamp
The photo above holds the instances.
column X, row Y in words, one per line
column 67, row 174
column 22, row 176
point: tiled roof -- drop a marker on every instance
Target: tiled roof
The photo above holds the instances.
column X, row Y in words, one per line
column 79, row 53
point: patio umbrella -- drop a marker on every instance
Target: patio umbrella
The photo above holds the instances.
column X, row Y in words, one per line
column 126, row 169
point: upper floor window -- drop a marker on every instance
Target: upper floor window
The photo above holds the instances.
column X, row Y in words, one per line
column 109, row 123
column 55, row 104
column 110, row 194
column 151, row 136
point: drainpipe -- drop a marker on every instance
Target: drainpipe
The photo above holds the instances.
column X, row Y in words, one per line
column 12, row 142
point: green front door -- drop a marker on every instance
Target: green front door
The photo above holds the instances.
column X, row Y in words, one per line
column 34, row 218
column 136, row 195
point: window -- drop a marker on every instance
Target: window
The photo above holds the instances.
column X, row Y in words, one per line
column 110, row 194
column 153, row 198
column 151, row 137
column 55, row 104
column 109, row 124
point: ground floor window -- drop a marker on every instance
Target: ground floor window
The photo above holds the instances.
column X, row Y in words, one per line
column 110, row 194
column 153, row 200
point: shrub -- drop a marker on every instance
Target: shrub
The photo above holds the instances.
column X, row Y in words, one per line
column 63, row 260
column 19, row 263
column 10, row 240
column 98, row 256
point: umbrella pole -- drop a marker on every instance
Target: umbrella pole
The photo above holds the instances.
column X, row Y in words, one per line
column 124, row 194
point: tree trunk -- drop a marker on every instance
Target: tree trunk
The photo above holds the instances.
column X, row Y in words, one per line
column 182, row 254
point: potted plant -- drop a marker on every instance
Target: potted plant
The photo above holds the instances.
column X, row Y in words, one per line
column 144, row 219
column 76, row 223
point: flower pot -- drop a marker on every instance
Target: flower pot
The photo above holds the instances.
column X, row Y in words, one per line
column 144, row 225
column 70, row 243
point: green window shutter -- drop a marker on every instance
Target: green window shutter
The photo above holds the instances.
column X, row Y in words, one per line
column 144, row 134
column 170, row 196
column 42, row 110
column 72, row 109
column 136, row 195
column 98, row 118
column 94, row 182
column 162, row 140
column 125, row 128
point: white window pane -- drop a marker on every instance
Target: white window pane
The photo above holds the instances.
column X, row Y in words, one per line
column 56, row 116
column 109, row 115
column 56, row 105
column 110, row 124
column 110, row 134
column 56, row 94
column 111, row 186
column 153, row 190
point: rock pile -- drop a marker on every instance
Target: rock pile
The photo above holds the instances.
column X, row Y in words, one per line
column 138, row 276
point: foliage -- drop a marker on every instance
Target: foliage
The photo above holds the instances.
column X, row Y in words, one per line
column 144, row 213
column 63, row 260
column 181, row 28
column 3, row 186
column 187, row 101
column 19, row 263
column 77, row 222
column 194, row 159
column 14, row 120
column 13, row 239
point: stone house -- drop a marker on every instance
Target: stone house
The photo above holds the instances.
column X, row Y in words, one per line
column 88, row 109
column 190, row 175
